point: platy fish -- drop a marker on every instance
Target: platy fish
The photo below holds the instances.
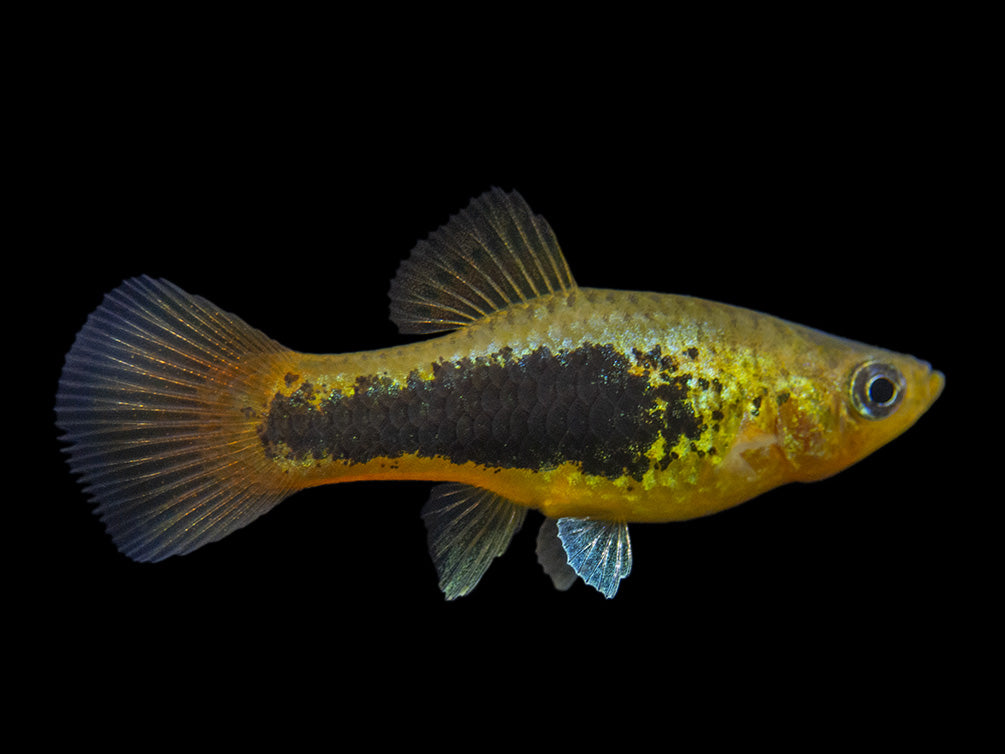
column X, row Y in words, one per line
column 598, row 408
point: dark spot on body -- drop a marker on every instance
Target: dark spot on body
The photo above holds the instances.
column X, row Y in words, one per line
column 757, row 406
column 692, row 352
column 290, row 378
column 533, row 411
column 782, row 398
column 654, row 360
column 303, row 394
column 667, row 460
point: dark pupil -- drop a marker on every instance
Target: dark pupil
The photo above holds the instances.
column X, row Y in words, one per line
column 881, row 391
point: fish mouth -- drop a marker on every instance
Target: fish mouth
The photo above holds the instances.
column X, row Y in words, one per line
column 936, row 383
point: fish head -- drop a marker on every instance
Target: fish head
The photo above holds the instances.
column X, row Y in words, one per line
column 861, row 398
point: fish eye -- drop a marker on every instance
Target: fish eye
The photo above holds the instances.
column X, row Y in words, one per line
column 876, row 389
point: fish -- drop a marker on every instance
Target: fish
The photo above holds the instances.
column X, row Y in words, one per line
column 522, row 391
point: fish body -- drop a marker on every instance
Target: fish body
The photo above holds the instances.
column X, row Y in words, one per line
column 598, row 408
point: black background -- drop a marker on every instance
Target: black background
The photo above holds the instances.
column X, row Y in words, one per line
column 830, row 198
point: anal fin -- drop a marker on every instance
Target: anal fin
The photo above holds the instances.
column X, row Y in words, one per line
column 466, row 529
column 600, row 552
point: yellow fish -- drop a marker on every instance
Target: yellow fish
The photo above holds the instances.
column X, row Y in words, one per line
column 597, row 408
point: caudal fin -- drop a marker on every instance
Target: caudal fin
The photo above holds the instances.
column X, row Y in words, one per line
column 159, row 399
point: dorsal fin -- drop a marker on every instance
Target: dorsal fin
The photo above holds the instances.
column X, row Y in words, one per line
column 494, row 253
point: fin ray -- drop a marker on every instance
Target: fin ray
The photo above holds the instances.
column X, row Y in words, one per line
column 494, row 253
column 150, row 401
column 467, row 528
column 600, row 552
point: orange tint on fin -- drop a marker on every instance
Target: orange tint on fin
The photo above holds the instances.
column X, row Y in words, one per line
column 751, row 450
column 157, row 400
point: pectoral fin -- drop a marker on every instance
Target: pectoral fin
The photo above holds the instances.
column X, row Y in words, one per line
column 466, row 529
column 600, row 552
